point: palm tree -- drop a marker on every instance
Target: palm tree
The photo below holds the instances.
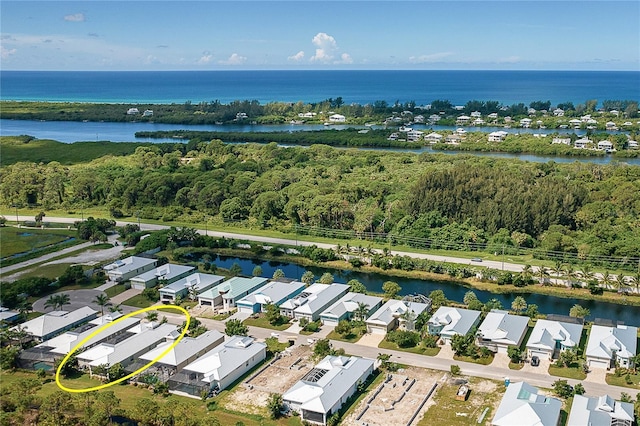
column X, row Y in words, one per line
column 102, row 300
column 152, row 316
column 361, row 311
column 587, row 273
column 607, row 279
column 518, row 305
column 571, row 274
column 526, row 273
column 52, row 302
column 542, row 274
column 621, row 282
column 634, row 281
column 24, row 307
column 308, row 278
column 116, row 308
column 63, row 299
column 557, row 269
column 409, row 318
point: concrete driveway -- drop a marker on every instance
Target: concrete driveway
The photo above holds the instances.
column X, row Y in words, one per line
column 79, row 298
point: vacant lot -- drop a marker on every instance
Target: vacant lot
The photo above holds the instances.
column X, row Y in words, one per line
column 21, row 240
column 401, row 388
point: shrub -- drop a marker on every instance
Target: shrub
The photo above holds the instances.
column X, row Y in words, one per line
column 455, row 369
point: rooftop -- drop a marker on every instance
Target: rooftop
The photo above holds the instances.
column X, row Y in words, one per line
column 201, row 282
column 454, row 320
column 603, row 341
column 164, row 272
column 522, row 405
column 502, row 327
column 393, row 309
column 274, row 292
column 51, row 322
column 546, row 333
column 131, row 263
column 187, row 347
column 315, row 297
column 349, row 303
column 600, row 410
column 233, row 287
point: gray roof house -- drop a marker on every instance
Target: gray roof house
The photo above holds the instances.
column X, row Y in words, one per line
column 8, row 316
column 323, row 390
column 344, row 308
column 522, row 405
column 221, row 366
column 186, row 351
column 389, row 316
column 602, row 410
column 447, row 322
column 169, row 273
column 125, row 269
column 608, row 346
column 313, row 300
column 201, row 283
column 549, row 338
column 275, row 292
column 53, row 323
column 229, row 292
column 500, row 329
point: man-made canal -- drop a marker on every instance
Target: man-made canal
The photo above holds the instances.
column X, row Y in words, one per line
column 373, row 282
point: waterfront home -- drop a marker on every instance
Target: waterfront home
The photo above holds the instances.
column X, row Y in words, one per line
column 433, row 137
column 220, row 367
column 313, row 301
column 600, row 410
column 125, row 269
column 226, row 295
column 241, row 116
column 610, row 125
column 500, row 329
column 414, row 135
column 524, row 405
column 186, row 351
column 395, row 314
column 493, row 115
column 347, row 305
column 582, row 143
column 609, row 347
column 498, row 136
column 462, row 120
column 632, row 144
column 605, row 146
column 147, row 113
column 337, row 118
column 558, row 112
column 563, row 141
column 323, row 390
column 476, row 114
column 453, row 139
column 197, row 282
column 393, row 136
column 132, row 111
column 53, row 323
column 275, row 292
column 446, row 322
column 8, row 316
column 165, row 275
column 525, row 122
column 549, row 338
column 478, row 122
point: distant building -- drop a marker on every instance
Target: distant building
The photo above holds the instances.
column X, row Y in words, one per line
column 337, row 118
column 9, row 316
column 53, row 323
column 147, row 113
column 433, row 137
column 498, row 136
column 125, row 269
column 165, row 274
column 133, row 111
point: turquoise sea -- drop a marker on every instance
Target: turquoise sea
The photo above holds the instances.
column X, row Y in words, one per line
column 362, row 87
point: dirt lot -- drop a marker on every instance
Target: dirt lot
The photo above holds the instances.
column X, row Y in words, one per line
column 380, row 413
column 277, row 378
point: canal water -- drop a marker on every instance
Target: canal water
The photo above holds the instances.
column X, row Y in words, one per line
column 373, row 282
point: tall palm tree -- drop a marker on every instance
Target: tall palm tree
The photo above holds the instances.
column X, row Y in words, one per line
column 621, row 282
column 24, row 307
column 571, row 274
column 542, row 273
column 607, row 279
column 587, row 273
column 116, row 308
column 518, row 305
column 52, row 302
column 361, row 311
column 634, row 281
column 102, row 300
column 526, row 273
column 63, row 299
column 557, row 269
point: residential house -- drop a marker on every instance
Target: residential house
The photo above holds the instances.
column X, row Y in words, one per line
column 600, row 410
column 227, row 294
column 313, row 301
column 147, row 113
column 609, row 347
column 476, row 114
column 323, row 390
column 498, row 136
column 198, row 282
column 53, row 323
column 220, row 367
column 610, row 125
column 500, row 329
column 275, row 292
column 446, row 322
column 185, row 352
column 462, row 120
column 125, row 269
column 414, row 135
column 241, row 116
column 524, row 405
column 337, row 118
column 478, row 122
column 525, row 122
column 549, row 338
column 133, row 111
column 394, row 314
column 393, row 136
column 632, row 144
column 453, row 139
column 493, row 115
column 558, row 112
column 605, row 146
column 8, row 316
column 346, row 306
column 563, row 141
column 433, row 137
column 165, row 275
column 582, row 143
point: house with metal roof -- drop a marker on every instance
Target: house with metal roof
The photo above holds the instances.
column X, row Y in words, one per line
column 611, row 346
column 53, row 323
column 500, row 329
column 446, row 322
column 313, row 301
column 524, row 405
column 125, row 269
column 323, row 390
column 345, row 307
column 165, row 274
column 600, row 410
column 227, row 294
column 199, row 282
column 394, row 314
column 275, row 292
column 549, row 338
column 220, row 367
column 8, row 316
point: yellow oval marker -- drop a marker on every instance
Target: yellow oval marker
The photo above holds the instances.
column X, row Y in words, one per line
column 138, row 371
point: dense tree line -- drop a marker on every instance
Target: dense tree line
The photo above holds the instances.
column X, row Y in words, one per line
column 583, row 209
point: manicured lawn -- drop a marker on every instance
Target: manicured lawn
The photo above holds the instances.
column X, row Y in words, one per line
column 420, row 349
column 115, row 290
column 351, row 337
column 482, row 361
column 513, row 366
column 262, row 322
column 574, row 372
column 138, row 301
column 620, row 381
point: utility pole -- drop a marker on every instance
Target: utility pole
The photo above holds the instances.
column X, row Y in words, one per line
column 503, row 258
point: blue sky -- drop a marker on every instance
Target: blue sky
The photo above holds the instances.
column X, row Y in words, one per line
column 219, row 35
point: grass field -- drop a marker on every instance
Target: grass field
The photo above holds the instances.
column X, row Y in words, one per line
column 611, row 379
column 20, row 240
column 263, row 323
column 568, row 372
column 420, row 349
column 138, row 301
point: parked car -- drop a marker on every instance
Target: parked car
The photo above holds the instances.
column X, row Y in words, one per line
column 535, row 361
column 476, row 259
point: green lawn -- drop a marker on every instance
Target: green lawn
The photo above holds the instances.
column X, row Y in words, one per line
column 138, row 301
column 482, row 361
column 574, row 372
column 514, row 366
column 351, row 337
column 620, row 381
column 262, row 322
column 420, row 349
column 115, row 290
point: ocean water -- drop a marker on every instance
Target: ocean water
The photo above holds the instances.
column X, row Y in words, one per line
column 361, row 87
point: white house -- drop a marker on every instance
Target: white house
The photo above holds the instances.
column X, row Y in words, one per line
column 525, row 122
column 447, row 322
column 199, row 282
column 9, row 316
column 337, row 118
column 147, row 113
column 433, row 137
column 394, row 314
column 125, row 269
column 563, row 141
column 186, row 351
column 226, row 295
column 497, row 136
column 523, row 405
column 500, row 329
column 558, row 112
column 53, row 323
column 632, row 144
column 132, row 111
column 463, row 119
column 313, row 300
column 605, row 146
column 582, row 143
column 275, row 292
column 167, row 274
column 323, row 390
column 549, row 338
column 346, row 306
column 611, row 346
column 600, row 410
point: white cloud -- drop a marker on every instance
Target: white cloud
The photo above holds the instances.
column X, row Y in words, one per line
column 234, row 59
column 76, row 17
column 326, row 46
column 297, row 57
column 345, row 58
column 5, row 53
column 509, row 60
column 205, row 58
column 434, row 57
